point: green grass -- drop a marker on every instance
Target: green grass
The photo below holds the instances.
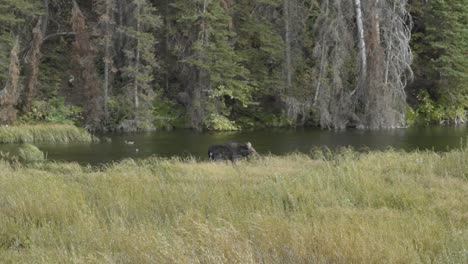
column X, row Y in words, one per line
column 378, row 207
column 30, row 153
column 53, row 133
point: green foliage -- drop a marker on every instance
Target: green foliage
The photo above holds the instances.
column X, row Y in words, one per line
column 274, row 119
column 220, row 75
column 168, row 114
column 141, row 58
column 411, row 116
column 224, row 55
column 263, row 116
column 261, row 46
column 120, row 108
column 145, row 119
column 217, row 122
column 29, row 153
column 25, row 153
column 122, row 115
column 63, row 114
column 440, row 44
column 53, row 111
column 53, row 133
column 55, row 63
column 13, row 13
column 429, row 111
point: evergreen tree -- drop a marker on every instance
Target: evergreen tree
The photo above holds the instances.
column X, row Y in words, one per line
column 141, row 60
column 230, row 63
column 13, row 17
column 260, row 44
column 213, row 70
column 441, row 45
column 105, row 9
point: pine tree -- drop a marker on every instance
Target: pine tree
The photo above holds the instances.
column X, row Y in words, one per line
column 441, row 46
column 105, row 9
column 260, row 44
column 212, row 70
column 141, row 60
column 13, row 17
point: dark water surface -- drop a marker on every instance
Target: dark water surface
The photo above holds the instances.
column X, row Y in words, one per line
column 276, row 141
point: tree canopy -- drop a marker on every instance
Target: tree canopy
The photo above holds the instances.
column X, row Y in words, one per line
column 233, row 64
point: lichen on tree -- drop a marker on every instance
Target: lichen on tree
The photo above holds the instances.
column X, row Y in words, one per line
column 9, row 94
column 86, row 90
column 362, row 85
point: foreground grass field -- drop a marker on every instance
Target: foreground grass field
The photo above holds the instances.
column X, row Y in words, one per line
column 379, row 207
column 54, row 133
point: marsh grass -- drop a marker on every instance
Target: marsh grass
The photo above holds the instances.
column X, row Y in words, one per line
column 377, row 207
column 30, row 153
column 53, row 133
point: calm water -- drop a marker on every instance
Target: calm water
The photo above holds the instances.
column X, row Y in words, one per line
column 275, row 141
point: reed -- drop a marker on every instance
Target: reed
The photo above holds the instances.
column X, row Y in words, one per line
column 55, row 133
column 378, row 207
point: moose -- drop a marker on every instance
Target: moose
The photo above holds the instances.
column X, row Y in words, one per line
column 231, row 151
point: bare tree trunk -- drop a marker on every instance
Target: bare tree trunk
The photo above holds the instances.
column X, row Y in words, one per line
column 88, row 90
column 389, row 50
column 121, row 23
column 45, row 18
column 38, row 33
column 9, row 94
column 106, row 77
column 287, row 42
column 204, row 26
column 320, row 75
column 166, row 48
column 33, row 66
column 198, row 104
column 137, row 63
column 383, row 56
column 361, row 40
column 323, row 57
column 377, row 19
column 107, row 55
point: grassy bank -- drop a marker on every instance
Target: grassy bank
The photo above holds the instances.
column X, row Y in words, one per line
column 380, row 207
column 43, row 133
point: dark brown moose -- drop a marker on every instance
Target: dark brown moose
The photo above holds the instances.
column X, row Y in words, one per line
column 231, row 151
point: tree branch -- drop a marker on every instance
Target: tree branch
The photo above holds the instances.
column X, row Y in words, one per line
column 57, row 35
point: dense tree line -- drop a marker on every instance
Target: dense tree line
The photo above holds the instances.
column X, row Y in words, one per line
column 232, row 64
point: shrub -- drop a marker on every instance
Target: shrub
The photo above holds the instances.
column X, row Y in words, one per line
column 53, row 111
column 168, row 114
column 429, row 111
column 218, row 122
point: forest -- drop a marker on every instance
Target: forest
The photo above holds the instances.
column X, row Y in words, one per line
column 77, row 77
column 138, row 65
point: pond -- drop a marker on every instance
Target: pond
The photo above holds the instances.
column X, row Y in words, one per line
column 275, row 141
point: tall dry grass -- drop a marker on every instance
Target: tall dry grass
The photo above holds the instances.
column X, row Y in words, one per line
column 379, row 207
column 54, row 133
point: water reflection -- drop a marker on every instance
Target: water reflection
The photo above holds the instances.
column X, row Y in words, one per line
column 275, row 141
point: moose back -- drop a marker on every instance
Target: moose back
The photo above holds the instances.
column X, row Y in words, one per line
column 231, row 151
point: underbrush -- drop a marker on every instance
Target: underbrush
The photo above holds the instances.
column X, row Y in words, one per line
column 378, row 207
